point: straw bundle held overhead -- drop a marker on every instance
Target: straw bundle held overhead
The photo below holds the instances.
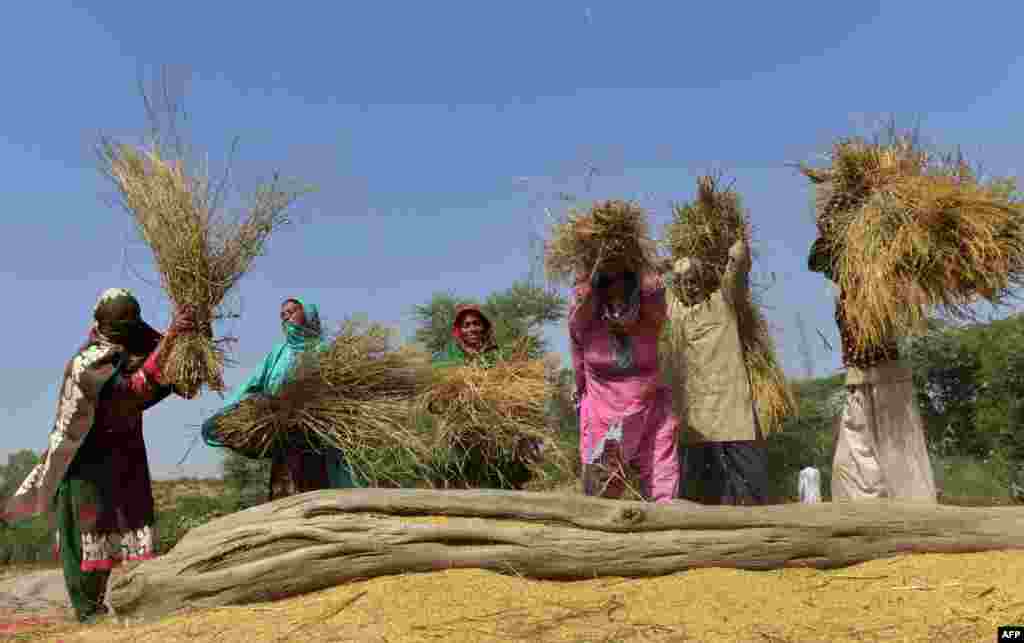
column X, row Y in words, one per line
column 499, row 413
column 199, row 253
column 706, row 227
column 704, row 230
column 355, row 394
column 906, row 231
column 610, row 233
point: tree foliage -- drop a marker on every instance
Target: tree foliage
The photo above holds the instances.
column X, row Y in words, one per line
column 807, row 438
column 248, row 478
column 518, row 313
column 18, row 466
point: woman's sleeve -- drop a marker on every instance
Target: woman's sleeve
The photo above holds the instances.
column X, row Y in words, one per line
column 142, row 386
column 581, row 309
column 653, row 304
column 576, row 350
column 737, row 273
column 252, row 386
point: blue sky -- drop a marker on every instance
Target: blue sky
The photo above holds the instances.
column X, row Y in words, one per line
column 437, row 132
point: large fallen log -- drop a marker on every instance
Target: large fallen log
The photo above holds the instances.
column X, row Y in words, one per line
column 324, row 538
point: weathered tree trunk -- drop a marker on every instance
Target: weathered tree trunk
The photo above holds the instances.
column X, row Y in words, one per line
column 324, row 538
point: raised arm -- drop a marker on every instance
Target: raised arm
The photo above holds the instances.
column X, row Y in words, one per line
column 146, row 385
column 653, row 305
column 576, row 350
column 583, row 307
column 143, row 386
column 820, row 258
column 737, row 271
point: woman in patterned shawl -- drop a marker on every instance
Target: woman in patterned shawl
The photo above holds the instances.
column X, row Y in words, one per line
column 293, row 470
column 94, row 475
column 626, row 419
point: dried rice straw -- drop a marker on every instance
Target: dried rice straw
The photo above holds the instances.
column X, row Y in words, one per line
column 355, row 394
column 705, row 229
column 611, row 233
column 498, row 412
column 200, row 255
column 908, row 231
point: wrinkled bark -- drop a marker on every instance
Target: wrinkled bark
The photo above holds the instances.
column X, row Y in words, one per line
column 321, row 539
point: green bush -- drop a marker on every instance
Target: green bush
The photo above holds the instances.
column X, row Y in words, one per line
column 29, row 541
column 32, row 541
column 968, row 481
column 805, row 439
column 190, row 512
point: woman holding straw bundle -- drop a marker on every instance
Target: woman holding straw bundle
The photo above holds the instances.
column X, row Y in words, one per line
column 294, row 469
column 94, row 475
column 615, row 319
column 473, row 344
column 728, row 388
column 723, row 451
column 902, row 232
column 880, row 447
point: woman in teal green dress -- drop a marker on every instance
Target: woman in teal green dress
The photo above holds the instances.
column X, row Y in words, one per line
column 293, row 469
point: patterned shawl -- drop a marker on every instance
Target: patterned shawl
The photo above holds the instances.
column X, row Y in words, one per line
column 119, row 342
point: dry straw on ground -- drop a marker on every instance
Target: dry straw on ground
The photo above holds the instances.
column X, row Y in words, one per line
column 200, row 253
column 704, row 230
column 498, row 413
column 908, row 231
column 354, row 394
column 612, row 233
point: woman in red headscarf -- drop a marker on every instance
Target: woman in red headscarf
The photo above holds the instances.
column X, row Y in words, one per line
column 472, row 339
column 473, row 344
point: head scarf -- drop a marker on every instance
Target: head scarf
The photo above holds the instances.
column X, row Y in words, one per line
column 488, row 337
column 118, row 323
column 299, row 336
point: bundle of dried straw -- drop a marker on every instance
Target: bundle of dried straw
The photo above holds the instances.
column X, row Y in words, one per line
column 708, row 226
column 907, row 231
column 498, row 413
column 199, row 253
column 705, row 229
column 611, row 233
column 354, row 393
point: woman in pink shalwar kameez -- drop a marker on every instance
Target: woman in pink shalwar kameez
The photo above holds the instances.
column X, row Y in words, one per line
column 626, row 419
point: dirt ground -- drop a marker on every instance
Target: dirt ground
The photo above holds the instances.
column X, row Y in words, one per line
column 956, row 597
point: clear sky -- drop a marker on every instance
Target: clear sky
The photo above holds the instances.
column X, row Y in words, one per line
column 437, row 132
